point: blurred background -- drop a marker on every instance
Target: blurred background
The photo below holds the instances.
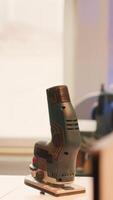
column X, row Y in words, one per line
column 45, row 43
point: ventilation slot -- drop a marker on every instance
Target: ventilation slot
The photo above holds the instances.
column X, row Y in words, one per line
column 52, row 174
column 68, row 174
column 72, row 124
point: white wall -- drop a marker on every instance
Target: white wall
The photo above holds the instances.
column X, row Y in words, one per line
column 110, row 45
column 86, row 56
column 92, row 46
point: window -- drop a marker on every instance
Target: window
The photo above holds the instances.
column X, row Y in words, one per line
column 31, row 34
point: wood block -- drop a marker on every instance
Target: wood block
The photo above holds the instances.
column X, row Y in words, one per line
column 103, row 168
column 55, row 191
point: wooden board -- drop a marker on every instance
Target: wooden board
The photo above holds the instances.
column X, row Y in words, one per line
column 103, row 168
column 56, row 191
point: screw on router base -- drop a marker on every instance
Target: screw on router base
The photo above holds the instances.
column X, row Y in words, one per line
column 42, row 192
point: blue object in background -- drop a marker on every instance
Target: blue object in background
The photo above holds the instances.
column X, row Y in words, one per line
column 103, row 113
